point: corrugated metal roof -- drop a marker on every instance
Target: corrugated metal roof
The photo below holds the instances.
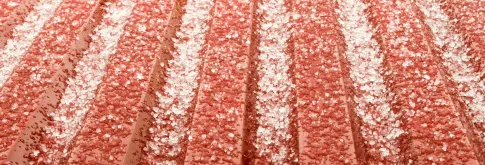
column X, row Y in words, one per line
column 242, row 82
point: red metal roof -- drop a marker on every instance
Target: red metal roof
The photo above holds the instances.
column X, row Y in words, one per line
column 242, row 82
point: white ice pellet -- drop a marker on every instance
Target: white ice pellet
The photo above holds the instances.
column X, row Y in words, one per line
column 274, row 81
column 23, row 36
column 181, row 81
column 365, row 64
column 81, row 89
column 455, row 59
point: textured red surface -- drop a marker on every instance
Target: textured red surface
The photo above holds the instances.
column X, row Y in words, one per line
column 469, row 17
column 270, row 136
column 242, row 82
column 325, row 134
column 12, row 13
column 221, row 102
column 419, row 88
column 50, row 59
column 120, row 95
